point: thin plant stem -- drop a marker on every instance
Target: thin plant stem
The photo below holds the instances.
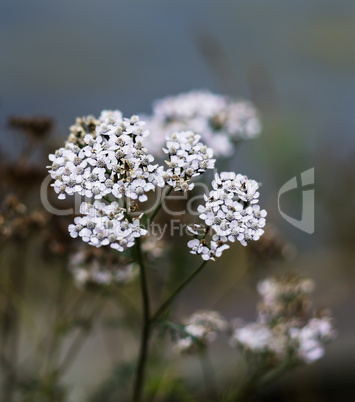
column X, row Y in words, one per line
column 172, row 297
column 160, row 204
column 143, row 352
column 208, row 375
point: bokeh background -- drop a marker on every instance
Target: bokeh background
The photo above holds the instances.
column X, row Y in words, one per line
column 294, row 60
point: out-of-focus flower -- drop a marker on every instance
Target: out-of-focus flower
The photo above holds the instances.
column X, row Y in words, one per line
column 270, row 247
column 200, row 329
column 283, row 328
column 153, row 247
column 258, row 337
column 16, row 222
column 309, row 340
column 284, row 297
column 33, row 126
column 219, row 120
column 93, row 266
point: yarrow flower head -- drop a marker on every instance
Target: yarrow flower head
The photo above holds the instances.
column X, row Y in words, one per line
column 188, row 158
column 259, row 338
column 284, row 296
column 105, row 157
column 84, row 125
column 309, row 340
column 105, row 160
column 220, row 121
column 231, row 212
column 200, row 329
column 91, row 266
column 105, row 224
column 283, row 329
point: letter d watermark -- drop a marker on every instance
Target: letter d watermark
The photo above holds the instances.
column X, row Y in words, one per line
column 306, row 224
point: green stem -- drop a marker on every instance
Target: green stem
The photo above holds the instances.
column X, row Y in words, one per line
column 160, row 204
column 208, row 375
column 143, row 353
column 167, row 303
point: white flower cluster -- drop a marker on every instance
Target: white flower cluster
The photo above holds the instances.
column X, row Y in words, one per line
column 85, row 125
column 112, row 160
column 282, row 328
column 275, row 291
column 153, row 247
column 259, row 337
column 88, row 266
column 309, row 340
column 105, row 158
column 200, row 329
column 188, row 158
column 220, row 121
column 105, row 224
column 231, row 211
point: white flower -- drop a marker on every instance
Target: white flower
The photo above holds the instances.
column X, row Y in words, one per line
column 309, row 340
column 217, row 247
column 188, row 158
column 282, row 327
column 283, row 294
column 110, row 114
column 247, row 191
column 198, row 247
column 89, row 265
column 137, row 189
column 258, row 338
column 108, row 160
column 231, row 211
column 210, row 319
column 76, row 228
column 220, row 121
column 183, row 345
column 200, row 329
column 105, row 224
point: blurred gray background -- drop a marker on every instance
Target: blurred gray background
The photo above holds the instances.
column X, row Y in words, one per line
column 294, row 59
column 68, row 58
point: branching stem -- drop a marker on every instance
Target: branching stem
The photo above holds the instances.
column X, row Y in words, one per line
column 161, row 204
column 143, row 353
column 172, row 297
